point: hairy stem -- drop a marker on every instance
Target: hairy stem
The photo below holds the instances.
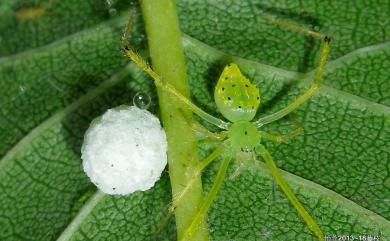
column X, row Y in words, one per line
column 164, row 39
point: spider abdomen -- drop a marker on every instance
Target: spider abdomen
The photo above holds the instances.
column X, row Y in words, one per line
column 236, row 97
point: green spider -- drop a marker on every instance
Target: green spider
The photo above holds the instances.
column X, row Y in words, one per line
column 238, row 100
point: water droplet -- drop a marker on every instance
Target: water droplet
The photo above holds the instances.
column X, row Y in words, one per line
column 22, row 89
column 109, row 3
column 112, row 11
column 141, row 100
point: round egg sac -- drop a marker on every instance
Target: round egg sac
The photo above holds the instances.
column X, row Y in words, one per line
column 124, row 151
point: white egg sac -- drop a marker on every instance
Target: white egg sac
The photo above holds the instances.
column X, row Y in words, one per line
column 124, row 151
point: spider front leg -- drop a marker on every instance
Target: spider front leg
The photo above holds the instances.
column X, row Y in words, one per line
column 313, row 226
column 162, row 84
column 325, row 48
column 280, row 138
column 201, row 132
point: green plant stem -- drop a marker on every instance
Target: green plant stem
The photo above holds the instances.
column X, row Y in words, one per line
column 164, row 39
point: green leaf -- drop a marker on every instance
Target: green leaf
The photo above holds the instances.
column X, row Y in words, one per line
column 50, row 91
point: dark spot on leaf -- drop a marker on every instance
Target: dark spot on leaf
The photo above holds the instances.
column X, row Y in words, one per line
column 246, row 85
column 223, row 88
column 233, row 85
column 113, row 188
column 226, row 77
column 239, row 106
column 246, row 133
column 229, row 98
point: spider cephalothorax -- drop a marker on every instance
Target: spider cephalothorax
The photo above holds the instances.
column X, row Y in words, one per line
column 243, row 137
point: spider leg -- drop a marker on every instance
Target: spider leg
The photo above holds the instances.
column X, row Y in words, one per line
column 209, row 199
column 243, row 164
column 201, row 131
column 237, row 172
column 177, row 199
column 162, row 84
column 313, row 226
column 292, row 26
column 325, row 48
column 200, row 166
column 281, row 138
